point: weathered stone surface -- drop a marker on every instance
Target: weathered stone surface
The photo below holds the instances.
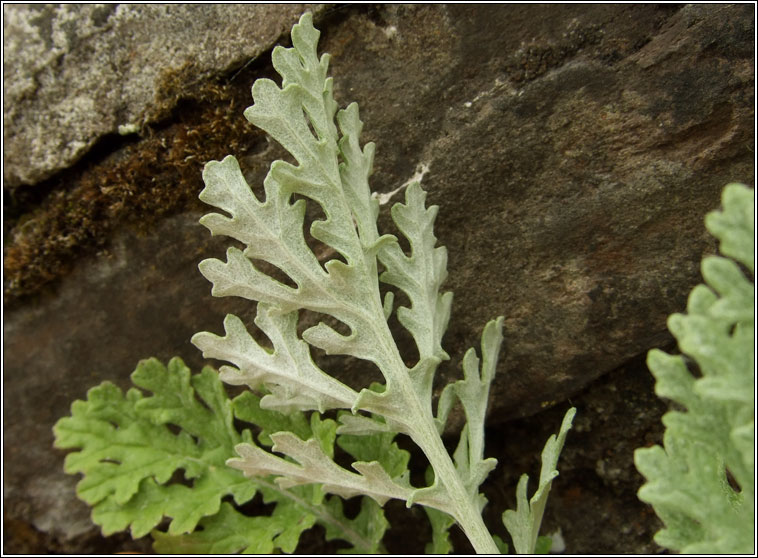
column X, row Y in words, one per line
column 573, row 152
column 91, row 331
column 74, row 73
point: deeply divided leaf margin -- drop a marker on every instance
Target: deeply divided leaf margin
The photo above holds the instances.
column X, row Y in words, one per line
column 701, row 482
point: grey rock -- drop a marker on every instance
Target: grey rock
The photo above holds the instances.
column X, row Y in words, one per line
column 573, row 152
column 74, row 73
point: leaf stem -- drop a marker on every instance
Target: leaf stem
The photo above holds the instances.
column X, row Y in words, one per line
column 465, row 510
column 423, row 431
column 421, row 427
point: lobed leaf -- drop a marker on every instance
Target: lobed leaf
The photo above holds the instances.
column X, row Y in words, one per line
column 473, row 393
column 420, row 277
column 133, row 463
column 523, row 524
column 441, row 523
column 686, row 479
column 128, row 455
column 230, row 532
column 379, row 447
column 312, row 465
column 734, row 226
column 365, row 532
column 331, row 170
column 288, row 372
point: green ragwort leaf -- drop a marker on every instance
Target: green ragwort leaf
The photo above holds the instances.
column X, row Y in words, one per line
column 128, row 454
column 137, row 471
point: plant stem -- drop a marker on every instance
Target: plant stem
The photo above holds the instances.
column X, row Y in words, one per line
column 423, row 431
column 466, row 513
